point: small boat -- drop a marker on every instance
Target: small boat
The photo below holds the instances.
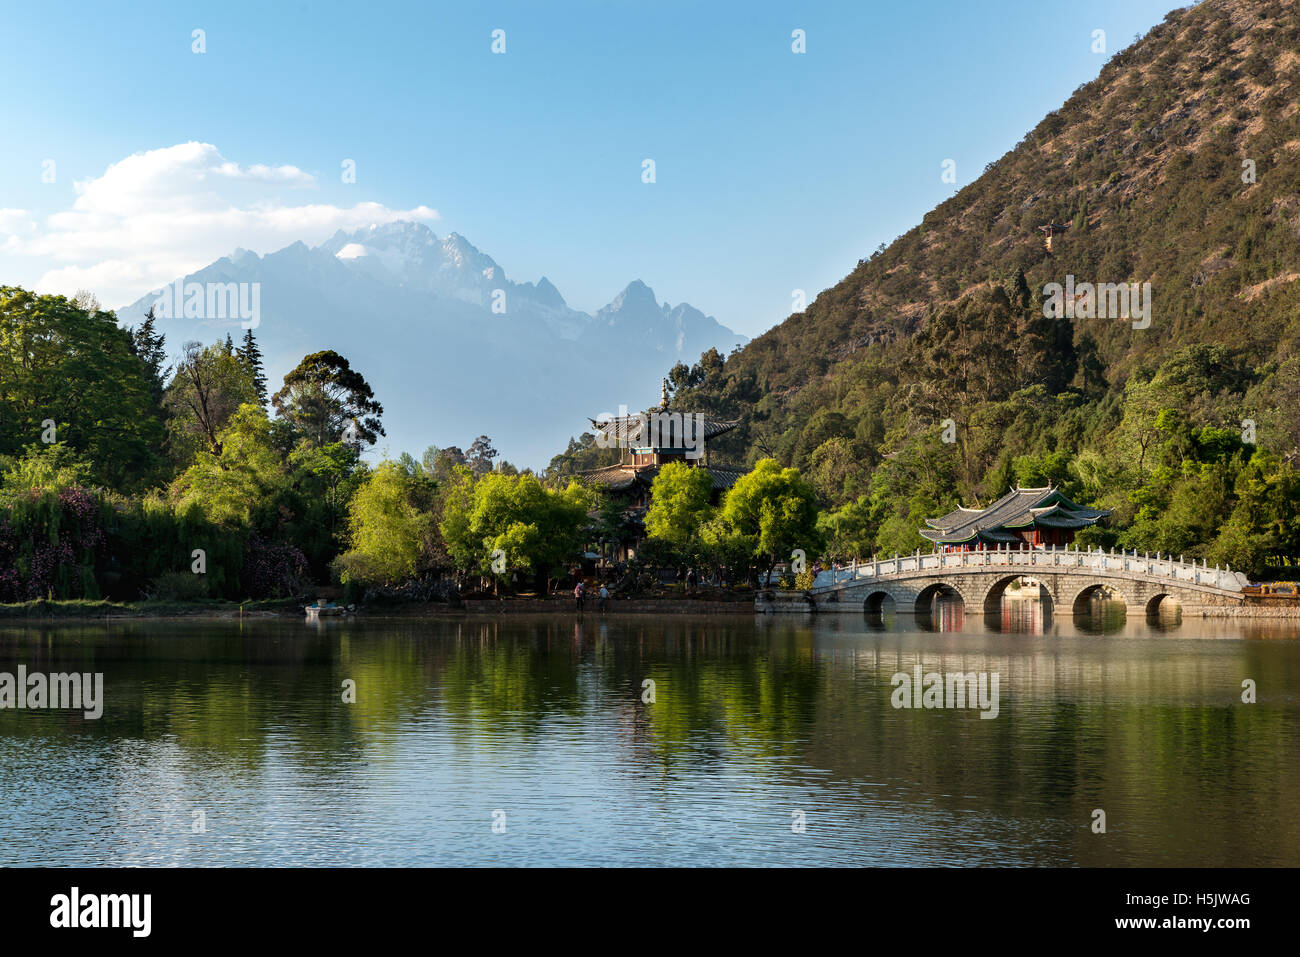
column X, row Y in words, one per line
column 328, row 610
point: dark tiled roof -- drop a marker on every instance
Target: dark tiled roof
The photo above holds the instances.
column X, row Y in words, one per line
column 631, row 427
column 619, row 477
column 725, row 476
column 613, row 477
column 1019, row 508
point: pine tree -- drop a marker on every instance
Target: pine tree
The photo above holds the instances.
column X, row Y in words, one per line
column 1018, row 290
column 230, row 345
column 251, row 356
column 149, row 346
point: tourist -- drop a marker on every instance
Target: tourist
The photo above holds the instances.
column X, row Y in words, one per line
column 604, row 596
column 578, row 591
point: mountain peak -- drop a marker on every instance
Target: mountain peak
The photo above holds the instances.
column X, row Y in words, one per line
column 636, row 295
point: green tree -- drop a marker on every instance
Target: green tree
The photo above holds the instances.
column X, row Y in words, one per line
column 229, row 485
column 209, row 387
column 72, row 375
column 251, row 356
column 514, row 522
column 679, row 504
column 387, row 528
column 326, row 400
column 776, row 508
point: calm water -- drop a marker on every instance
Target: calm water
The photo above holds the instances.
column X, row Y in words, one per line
column 754, row 719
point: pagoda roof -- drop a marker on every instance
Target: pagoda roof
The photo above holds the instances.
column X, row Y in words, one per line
column 616, row 478
column 632, row 428
column 1020, row 508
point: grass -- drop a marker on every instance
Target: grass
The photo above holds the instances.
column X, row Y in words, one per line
column 86, row 608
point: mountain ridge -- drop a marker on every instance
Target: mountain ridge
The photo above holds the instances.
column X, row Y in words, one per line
column 931, row 375
column 429, row 303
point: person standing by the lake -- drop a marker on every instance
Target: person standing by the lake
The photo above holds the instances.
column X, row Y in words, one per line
column 578, row 591
column 604, row 596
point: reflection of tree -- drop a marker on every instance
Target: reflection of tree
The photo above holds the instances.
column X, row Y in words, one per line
column 1155, row 736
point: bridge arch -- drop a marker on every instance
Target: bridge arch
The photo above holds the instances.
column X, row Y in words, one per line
column 992, row 598
column 879, row 601
column 1079, row 605
column 939, row 589
column 1165, row 603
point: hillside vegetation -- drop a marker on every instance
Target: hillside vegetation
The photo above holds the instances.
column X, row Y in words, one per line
column 1178, row 166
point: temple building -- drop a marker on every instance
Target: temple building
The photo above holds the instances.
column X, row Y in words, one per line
column 1052, row 229
column 1039, row 517
column 646, row 442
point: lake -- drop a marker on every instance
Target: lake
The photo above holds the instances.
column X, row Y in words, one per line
column 769, row 741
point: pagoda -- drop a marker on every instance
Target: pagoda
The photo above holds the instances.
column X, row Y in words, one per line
column 647, row 441
column 1037, row 517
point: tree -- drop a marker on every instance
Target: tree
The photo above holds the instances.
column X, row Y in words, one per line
column 776, row 508
column 209, row 386
column 679, row 504
column 835, row 469
column 440, row 462
column 480, row 455
column 325, row 400
column 149, row 345
column 513, row 522
column 229, row 484
column 251, row 356
column 387, row 528
column 849, row 530
column 71, row 375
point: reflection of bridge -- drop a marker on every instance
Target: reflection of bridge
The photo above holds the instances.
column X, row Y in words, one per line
column 1069, row 578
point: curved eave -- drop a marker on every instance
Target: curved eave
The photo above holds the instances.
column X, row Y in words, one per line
column 942, row 539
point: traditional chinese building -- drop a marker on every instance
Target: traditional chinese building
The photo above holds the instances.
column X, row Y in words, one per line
column 1039, row 517
column 648, row 441
column 1052, row 229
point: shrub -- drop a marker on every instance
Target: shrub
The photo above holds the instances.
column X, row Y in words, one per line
column 177, row 586
column 273, row 569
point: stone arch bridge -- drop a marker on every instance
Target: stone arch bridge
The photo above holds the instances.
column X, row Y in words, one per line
column 1069, row 579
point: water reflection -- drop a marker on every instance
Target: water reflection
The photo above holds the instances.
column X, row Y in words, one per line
column 552, row 721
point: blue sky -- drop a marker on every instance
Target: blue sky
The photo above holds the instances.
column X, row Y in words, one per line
column 774, row 170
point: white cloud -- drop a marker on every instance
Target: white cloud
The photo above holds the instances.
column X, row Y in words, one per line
column 14, row 221
column 163, row 213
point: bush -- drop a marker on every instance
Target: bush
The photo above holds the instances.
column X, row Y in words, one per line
column 356, row 568
column 177, row 586
column 273, row 570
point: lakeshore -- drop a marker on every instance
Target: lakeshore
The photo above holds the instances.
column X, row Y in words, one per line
column 783, row 603
column 74, row 610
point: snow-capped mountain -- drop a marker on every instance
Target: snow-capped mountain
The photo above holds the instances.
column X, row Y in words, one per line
column 452, row 346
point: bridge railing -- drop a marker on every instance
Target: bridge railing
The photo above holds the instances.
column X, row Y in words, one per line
column 1029, row 560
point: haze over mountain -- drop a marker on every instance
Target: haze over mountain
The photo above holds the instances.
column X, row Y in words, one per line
column 452, row 346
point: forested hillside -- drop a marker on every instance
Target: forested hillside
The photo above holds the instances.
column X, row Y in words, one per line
column 1179, row 166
